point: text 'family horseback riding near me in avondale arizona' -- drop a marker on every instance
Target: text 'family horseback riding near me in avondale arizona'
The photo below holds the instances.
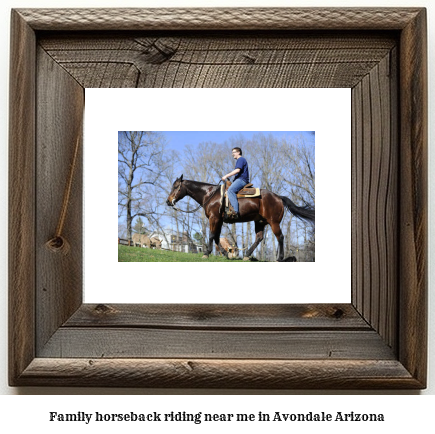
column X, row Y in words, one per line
column 200, row 417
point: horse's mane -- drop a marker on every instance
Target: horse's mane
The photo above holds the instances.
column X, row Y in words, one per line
column 200, row 183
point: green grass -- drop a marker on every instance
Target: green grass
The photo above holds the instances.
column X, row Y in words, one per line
column 139, row 254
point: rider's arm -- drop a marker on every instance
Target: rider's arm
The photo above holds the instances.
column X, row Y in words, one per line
column 234, row 172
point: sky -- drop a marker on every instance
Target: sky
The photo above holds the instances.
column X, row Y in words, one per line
column 178, row 139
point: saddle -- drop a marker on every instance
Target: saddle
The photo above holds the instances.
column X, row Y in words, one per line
column 247, row 191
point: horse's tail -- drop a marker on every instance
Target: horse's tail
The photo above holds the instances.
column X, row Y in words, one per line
column 302, row 212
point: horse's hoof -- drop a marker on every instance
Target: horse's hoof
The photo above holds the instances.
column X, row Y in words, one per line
column 205, row 257
column 245, row 258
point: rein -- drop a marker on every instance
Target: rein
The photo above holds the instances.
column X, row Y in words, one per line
column 196, row 209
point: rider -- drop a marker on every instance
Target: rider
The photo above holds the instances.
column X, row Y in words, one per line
column 240, row 180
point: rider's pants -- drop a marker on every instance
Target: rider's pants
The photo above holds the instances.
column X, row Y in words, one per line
column 235, row 187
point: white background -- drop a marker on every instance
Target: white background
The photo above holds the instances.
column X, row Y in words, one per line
column 325, row 111
column 407, row 412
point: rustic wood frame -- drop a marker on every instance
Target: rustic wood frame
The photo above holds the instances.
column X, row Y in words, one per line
column 377, row 341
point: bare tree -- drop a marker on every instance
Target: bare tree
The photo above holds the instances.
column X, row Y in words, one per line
column 141, row 162
column 299, row 184
column 299, row 156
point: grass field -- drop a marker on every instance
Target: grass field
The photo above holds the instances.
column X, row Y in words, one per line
column 139, row 254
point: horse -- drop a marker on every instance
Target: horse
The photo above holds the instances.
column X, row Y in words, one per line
column 267, row 209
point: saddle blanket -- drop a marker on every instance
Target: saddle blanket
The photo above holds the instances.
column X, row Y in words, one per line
column 247, row 193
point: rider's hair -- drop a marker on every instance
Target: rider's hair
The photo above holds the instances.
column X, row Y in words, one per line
column 238, row 150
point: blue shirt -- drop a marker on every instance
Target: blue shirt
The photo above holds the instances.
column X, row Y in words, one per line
column 242, row 164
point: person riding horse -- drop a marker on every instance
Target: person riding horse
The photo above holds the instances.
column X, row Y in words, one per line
column 241, row 172
column 266, row 209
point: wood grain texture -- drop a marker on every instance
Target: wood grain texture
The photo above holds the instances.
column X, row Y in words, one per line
column 270, row 317
column 375, row 198
column 21, row 197
column 220, row 18
column 234, row 60
column 228, row 374
column 413, row 187
column 59, row 279
column 378, row 342
column 234, row 343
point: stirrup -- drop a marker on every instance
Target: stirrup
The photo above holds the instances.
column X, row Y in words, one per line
column 232, row 215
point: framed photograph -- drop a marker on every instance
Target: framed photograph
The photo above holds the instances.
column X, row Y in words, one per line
column 375, row 341
column 293, row 164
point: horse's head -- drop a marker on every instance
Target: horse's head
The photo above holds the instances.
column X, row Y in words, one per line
column 177, row 193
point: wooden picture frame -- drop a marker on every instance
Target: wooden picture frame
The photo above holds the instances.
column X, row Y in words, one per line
column 377, row 341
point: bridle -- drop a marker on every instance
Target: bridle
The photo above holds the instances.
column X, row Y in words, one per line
column 175, row 194
column 196, row 209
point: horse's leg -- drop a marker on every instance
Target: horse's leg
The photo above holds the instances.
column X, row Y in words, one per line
column 210, row 245
column 218, row 242
column 215, row 232
column 217, row 238
column 216, row 235
column 276, row 229
column 259, row 227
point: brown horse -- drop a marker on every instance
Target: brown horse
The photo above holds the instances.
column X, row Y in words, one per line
column 268, row 209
